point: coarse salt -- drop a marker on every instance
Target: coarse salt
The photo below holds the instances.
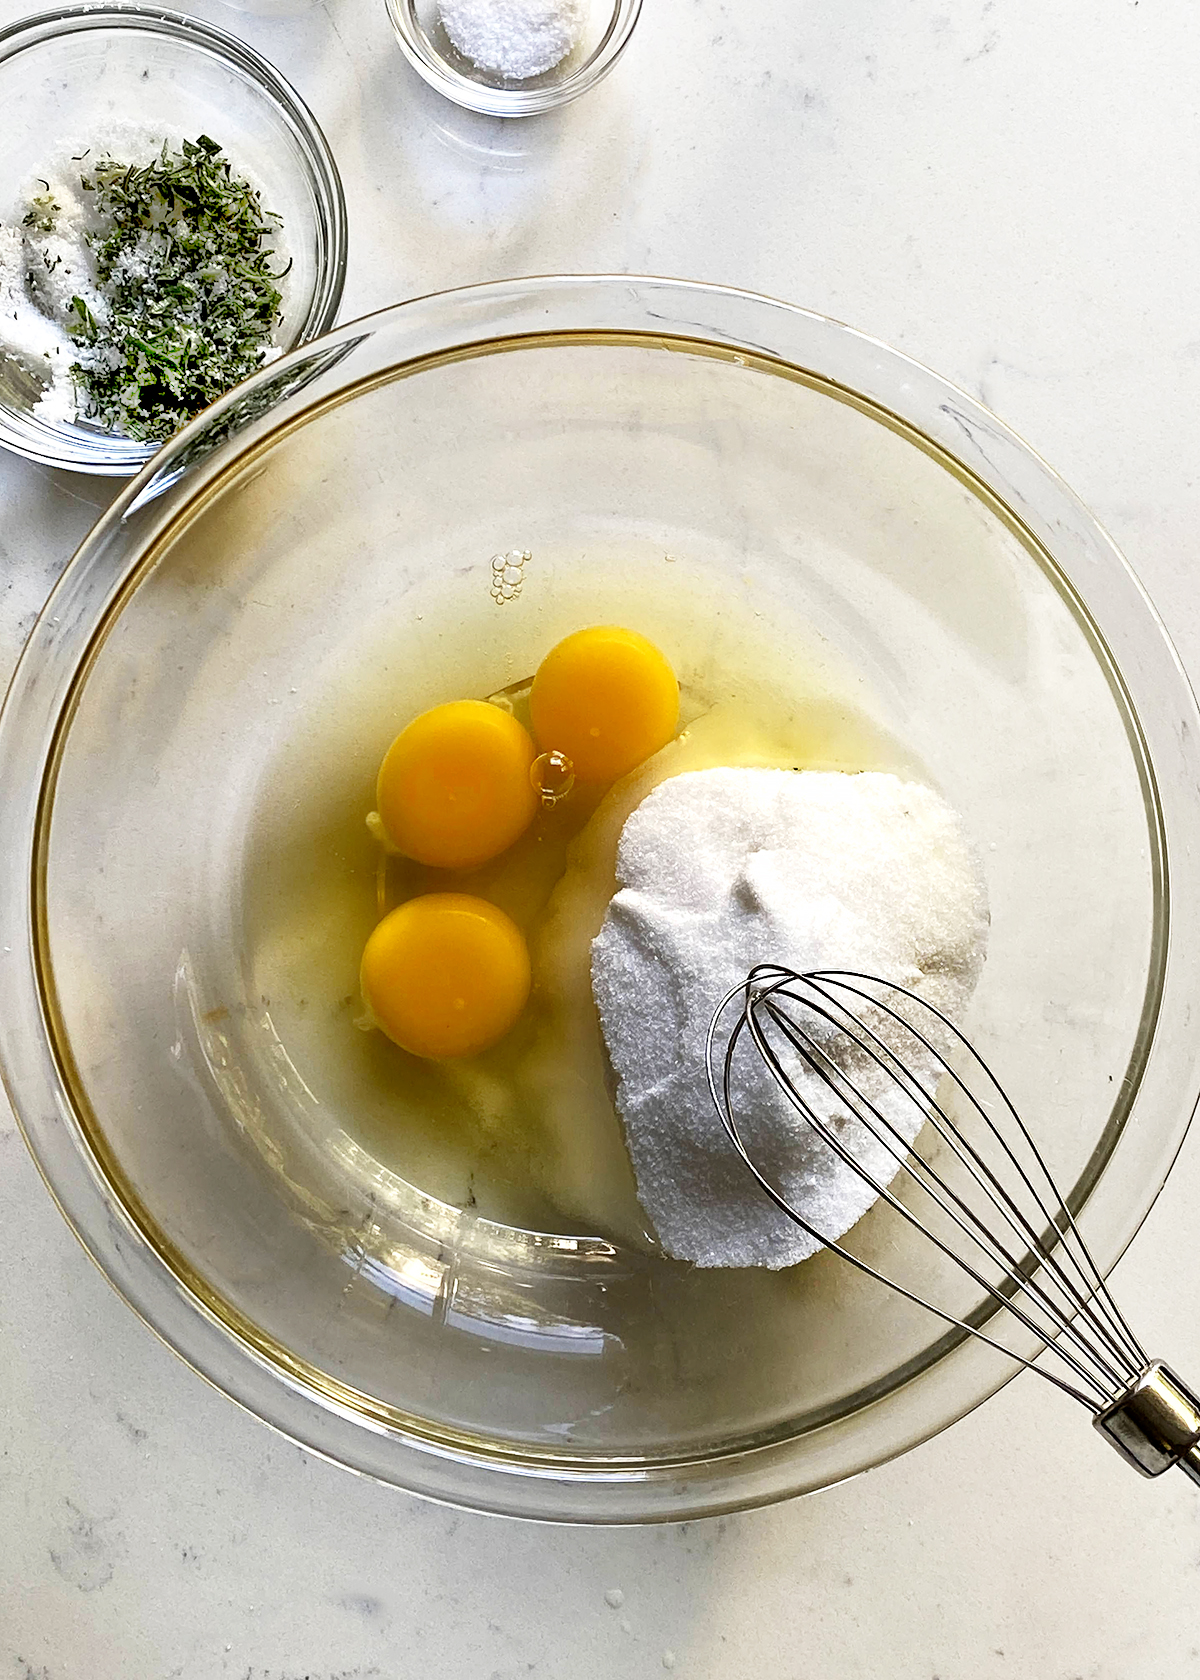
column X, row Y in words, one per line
column 42, row 271
column 719, row 870
column 513, row 38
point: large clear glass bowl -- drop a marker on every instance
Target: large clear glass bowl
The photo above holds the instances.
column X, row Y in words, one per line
column 688, row 459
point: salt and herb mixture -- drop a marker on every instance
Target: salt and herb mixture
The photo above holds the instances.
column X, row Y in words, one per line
column 514, row 38
column 720, row 870
column 140, row 291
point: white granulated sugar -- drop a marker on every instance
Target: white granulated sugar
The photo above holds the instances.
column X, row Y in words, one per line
column 719, row 870
column 513, row 38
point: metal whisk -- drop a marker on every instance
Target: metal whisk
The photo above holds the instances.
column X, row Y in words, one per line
column 999, row 1215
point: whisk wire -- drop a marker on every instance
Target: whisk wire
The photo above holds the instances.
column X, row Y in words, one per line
column 920, row 1172
column 724, row 1104
column 1091, row 1291
column 898, row 1149
column 1057, row 1211
column 761, row 993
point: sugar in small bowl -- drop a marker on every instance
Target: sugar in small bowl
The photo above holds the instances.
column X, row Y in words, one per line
column 93, row 87
column 513, row 58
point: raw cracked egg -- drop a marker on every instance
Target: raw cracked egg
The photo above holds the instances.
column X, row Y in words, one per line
column 454, row 788
column 607, row 699
column 445, row 975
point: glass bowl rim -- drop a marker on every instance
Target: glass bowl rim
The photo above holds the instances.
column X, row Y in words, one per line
column 473, row 321
column 328, row 195
column 440, row 74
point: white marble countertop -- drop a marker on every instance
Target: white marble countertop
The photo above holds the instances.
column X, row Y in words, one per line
column 1007, row 190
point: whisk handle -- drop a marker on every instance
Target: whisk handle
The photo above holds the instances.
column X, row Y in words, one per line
column 1155, row 1423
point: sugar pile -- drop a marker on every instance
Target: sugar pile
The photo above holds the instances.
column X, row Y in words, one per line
column 719, row 870
column 513, row 38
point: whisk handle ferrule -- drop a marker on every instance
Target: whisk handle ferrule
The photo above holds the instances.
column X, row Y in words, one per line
column 1155, row 1424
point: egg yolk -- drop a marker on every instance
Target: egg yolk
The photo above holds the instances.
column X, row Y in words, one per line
column 445, row 975
column 607, row 698
column 454, row 788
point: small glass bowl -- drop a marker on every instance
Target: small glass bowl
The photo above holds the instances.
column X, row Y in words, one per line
column 68, row 76
column 433, row 55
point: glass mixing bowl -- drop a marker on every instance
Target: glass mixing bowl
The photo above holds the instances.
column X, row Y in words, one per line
column 71, row 78
column 711, row 467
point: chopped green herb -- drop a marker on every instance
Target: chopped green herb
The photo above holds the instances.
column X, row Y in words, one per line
column 84, row 323
column 42, row 213
column 183, row 263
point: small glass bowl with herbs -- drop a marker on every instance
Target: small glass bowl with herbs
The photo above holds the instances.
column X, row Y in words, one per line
column 171, row 219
